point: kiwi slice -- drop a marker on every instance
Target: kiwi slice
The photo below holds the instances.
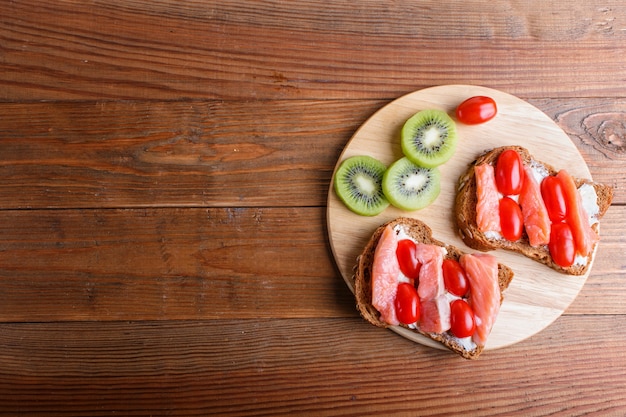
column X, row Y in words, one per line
column 428, row 138
column 358, row 183
column 411, row 187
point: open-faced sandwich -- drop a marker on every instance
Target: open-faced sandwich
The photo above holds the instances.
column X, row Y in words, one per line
column 405, row 277
column 508, row 199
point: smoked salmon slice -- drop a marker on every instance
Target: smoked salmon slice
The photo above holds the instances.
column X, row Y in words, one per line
column 482, row 272
column 576, row 216
column 488, row 199
column 536, row 219
column 434, row 306
column 431, row 274
column 435, row 315
column 385, row 271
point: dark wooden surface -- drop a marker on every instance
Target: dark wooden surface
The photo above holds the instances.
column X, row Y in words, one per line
column 165, row 167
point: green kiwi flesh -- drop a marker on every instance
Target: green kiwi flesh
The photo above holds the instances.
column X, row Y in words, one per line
column 411, row 187
column 358, row 183
column 428, row 138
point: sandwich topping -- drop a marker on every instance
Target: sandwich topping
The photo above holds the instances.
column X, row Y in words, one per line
column 553, row 213
column 415, row 285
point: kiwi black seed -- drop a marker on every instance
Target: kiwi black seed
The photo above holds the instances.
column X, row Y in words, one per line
column 429, row 137
column 411, row 187
column 358, row 183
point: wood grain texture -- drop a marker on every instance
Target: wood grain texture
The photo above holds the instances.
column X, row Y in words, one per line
column 164, row 264
column 157, row 50
column 598, row 128
column 143, row 154
column 267, row 153
column 167, row 264
column 279, row 367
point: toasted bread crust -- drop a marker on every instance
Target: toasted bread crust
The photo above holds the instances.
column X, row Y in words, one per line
column 421, row 233
column 465, row 210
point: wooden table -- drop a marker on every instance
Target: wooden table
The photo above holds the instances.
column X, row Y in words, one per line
column 165, row 168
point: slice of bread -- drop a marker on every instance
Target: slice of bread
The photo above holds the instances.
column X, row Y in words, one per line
column 465, row 210
column 420, row 232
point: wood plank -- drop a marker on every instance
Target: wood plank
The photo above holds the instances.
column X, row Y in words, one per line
column 268, row 153
column 265, row 367
column 167, row 264
column 153, row 50
column 159, row 264
column 142, row 154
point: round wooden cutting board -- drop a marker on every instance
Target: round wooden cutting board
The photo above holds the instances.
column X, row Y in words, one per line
column 537, row 295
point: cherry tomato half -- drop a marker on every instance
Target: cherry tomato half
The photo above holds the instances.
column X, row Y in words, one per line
column 477, row 109
column 454, row 278
column 511, row 219
column 407, row 304
column 409, row 265
column 509, row 172
column 462, row 322
column 554, row 197
column 561, row 246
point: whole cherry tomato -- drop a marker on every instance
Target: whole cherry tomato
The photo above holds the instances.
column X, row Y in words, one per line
column 511, row 219
column 462, row 321
column 561, row 246
column 554, row 197
column 407, row 304
column 409, row 265
column 454, row 278
column 477, row 109
column 509, row 172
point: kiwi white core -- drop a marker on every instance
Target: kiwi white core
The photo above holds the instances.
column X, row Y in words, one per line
column 432, row 137
column 416, row 181
column 365, row 184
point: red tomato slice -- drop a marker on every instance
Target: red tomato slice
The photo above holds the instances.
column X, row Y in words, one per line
column 561, row 246
column 462, row 322
column 407, row 304
column 554, row 197
column 511, row 219
column 454, row 278
column 509, row 172
column 409, row 265
column 477, row 109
